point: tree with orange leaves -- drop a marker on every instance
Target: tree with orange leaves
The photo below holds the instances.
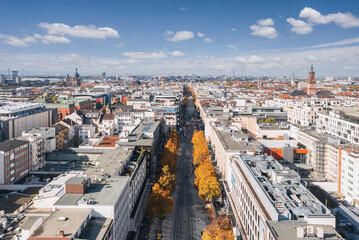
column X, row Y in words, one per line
column 204, row 170
column 208, row 188
column 167, row 180
column 219, row 229
column 200, row 148
column 160, row 202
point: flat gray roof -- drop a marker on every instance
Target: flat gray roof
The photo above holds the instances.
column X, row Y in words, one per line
column 285, row 230
column 103, row 193
column 75, row 217
column 229, row 144
column 110, row 162
column 76, row 181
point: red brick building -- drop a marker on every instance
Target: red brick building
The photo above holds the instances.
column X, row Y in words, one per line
column 14, row 160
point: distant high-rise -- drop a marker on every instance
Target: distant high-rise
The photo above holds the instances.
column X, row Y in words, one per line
column 311, row 83
column 260, row 83
column 14, row 74
column 292, row 80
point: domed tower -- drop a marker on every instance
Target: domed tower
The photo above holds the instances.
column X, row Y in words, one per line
column 311, row 83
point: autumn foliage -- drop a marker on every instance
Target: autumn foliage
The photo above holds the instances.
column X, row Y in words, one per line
column 206, row 179
column 200, row 149
column 185, row 102
column 160, row 201
column 219, row 229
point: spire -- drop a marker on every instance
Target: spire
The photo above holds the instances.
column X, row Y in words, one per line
column 311, row 67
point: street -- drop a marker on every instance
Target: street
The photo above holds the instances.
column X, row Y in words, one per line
column 189, row 219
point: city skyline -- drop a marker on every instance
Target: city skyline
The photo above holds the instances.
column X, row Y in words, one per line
column 181, row 37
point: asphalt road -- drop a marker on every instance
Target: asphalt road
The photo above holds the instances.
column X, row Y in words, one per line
column 189, row 219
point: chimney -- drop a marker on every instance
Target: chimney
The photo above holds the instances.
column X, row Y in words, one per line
column 320, row 232
column 300, row 232
column 61, row 233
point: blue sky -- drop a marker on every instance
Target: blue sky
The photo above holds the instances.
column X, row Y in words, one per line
column 265, row 37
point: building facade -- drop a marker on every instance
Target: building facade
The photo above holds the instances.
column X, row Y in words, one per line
column 14, row 160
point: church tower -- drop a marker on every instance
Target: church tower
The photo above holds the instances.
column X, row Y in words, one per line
column 311, row 83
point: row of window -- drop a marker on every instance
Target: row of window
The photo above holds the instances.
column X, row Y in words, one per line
column 15, row 150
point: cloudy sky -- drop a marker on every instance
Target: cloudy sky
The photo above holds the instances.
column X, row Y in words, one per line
column 268, row 37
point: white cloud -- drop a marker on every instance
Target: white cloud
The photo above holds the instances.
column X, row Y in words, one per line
column 219, row 67
column 205, row 56
column 80, row 31
column 234, row 29
column 184, row 8
column 256, row 59
column 48, row 39
column 299, row 26
column 277, row 59
column 18, row 42
column 145, row 55
column 168, row 33
column 266, row 22
column 263, row 29
column 268, row 32
column 311, row 58
column 232, row 47
column 181, row 36
column 338, row 43
column 344, row 20
column 203, row 65
column 207, row 40
column 178, row 54
column 199, row 34
column 120, row 45
column 241, row 59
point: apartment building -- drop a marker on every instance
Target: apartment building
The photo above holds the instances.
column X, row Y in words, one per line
column 112, row 187
column 85, row 132
column 349, row 178
column 36, row 151
column 228, row 141
column 47, row 133
column 305, row 112
column 259, row 190
column 323, row 152
column 262, row 113
column 343, row 124
column 14, row 160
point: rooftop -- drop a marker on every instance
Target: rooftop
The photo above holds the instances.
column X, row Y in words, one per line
column 11, row 144
column 68, row 220
column 284, row 230
column 40, row 130
column 110, row 163
column 102, row 193
column 76, row 181
column 237, row 141
column 283, row 188
column 16, row 107
column 13, row 201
